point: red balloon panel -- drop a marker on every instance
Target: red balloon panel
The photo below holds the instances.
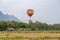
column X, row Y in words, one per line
column 30, row 15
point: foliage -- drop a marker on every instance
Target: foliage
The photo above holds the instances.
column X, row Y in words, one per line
column 21, row 26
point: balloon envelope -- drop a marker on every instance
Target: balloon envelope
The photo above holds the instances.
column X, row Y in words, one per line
column 30, row 12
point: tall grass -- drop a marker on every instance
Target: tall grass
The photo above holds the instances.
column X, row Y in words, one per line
column 30, row 35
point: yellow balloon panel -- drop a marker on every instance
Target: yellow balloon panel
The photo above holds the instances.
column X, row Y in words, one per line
column 30, row 12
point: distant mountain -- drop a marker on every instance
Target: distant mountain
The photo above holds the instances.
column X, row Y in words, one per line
column 7, row 17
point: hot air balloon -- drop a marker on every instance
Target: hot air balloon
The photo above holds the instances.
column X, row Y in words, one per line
column 30, row 12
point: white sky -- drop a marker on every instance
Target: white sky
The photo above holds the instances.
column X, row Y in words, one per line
column 45, row 10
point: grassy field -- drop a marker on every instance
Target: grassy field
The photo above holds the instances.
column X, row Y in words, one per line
column 29, row 35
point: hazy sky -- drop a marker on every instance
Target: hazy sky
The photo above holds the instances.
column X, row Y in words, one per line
column 45, row 10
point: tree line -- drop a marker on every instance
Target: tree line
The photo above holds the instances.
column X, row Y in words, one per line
column 21, row 26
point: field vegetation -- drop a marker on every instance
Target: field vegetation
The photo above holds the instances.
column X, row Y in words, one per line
column 30, row 35
column 11, row 30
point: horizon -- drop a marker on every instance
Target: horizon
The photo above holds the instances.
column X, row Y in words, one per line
column 45, row 11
